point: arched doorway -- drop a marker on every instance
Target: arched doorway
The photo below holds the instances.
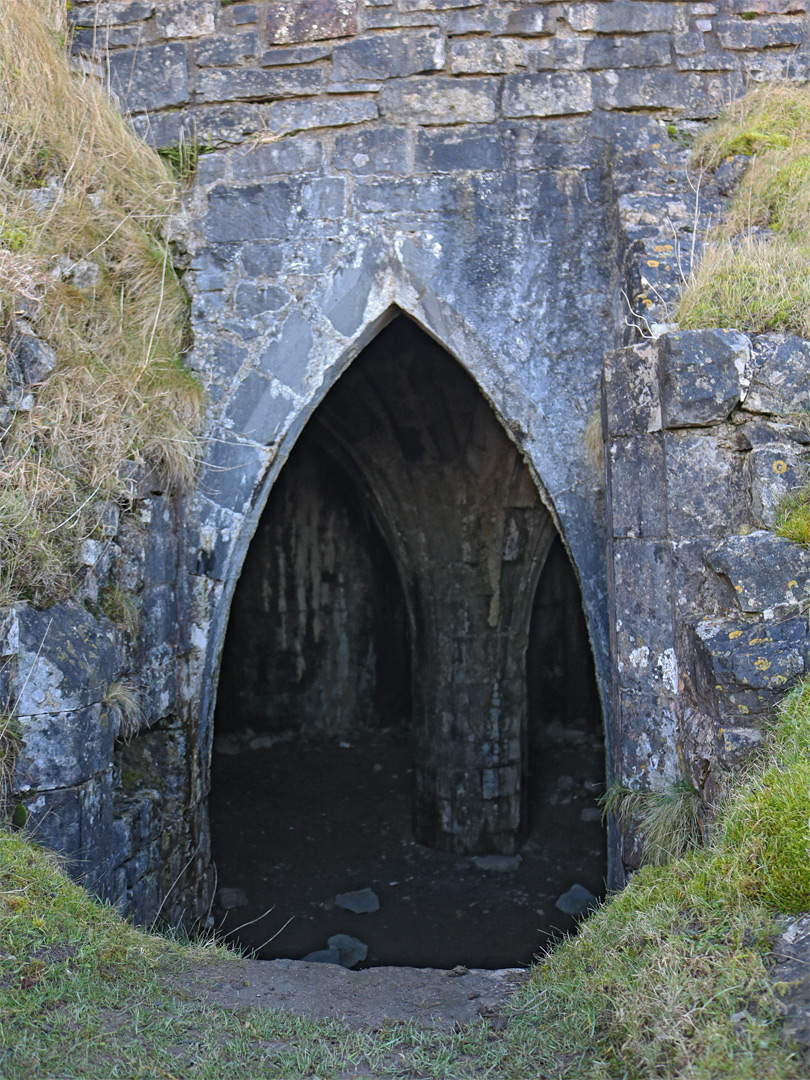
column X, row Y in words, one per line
column 373, row 712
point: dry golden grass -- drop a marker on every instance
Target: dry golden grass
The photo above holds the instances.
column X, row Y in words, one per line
column 755, row 274
column 76, row 184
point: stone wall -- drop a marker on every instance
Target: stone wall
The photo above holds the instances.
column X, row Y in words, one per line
column 706, row 432
column 510, row 176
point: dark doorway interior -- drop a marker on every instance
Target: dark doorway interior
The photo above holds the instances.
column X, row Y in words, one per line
column 385, row 719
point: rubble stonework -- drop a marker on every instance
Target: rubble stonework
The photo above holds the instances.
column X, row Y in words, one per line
column 512, row 177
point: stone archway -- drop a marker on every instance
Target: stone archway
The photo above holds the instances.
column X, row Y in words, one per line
column 391, row 582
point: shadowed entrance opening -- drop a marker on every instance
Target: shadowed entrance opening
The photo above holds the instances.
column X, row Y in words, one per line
column 373, row 715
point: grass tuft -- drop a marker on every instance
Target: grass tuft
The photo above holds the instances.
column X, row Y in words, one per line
column 792, row 518
column 77, row 187
column 671, row 821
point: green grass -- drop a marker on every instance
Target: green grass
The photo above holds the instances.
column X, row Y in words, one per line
column 792, row 518
column 668, row 979
column 754, row 273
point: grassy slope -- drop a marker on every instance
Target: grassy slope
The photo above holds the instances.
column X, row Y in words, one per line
column 753, row 275
column 666, row 980
column 77, row 186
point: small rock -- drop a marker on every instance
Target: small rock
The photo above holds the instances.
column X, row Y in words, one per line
column 361, row 901
column 323, row 956
column 350, row 950
column 32, row 360
column 502, row 864
column 458, row 971
column 230, row 899
column 577, row 901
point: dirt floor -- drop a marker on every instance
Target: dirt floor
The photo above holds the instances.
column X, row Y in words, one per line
column 300, row 821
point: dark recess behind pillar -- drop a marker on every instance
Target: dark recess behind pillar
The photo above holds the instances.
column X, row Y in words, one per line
column 319, row 639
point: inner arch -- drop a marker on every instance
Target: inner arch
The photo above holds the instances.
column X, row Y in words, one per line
column 388, row 593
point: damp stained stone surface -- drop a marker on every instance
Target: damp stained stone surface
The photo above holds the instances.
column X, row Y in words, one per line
column 378, row 724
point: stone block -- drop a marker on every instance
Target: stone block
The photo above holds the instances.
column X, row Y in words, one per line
column 480, row 21
column 255, row 212
column 766, row 571
column 66, row 660
column 221, row 51
column 487, row 56
column 546, row 94
column 628, row 17
column 704, row 374
column 780, row 379
column 758, row 33
column 645, row 634
column 287, row 116
column 286, row 357
column 649, row 751
column 240, row 83
column 154, row 78
column 259, row 409
column 638, row 486
column 186, row 18
column 30, row 360
column 77, row 822
column 440, row 100
column 531, row 22
column 291, row 21
column 766, row 7
column 211, row 546
column 646, row 51
column 231, row 470
column 763, row 656
column 777, row 469
column 58, row 750
column 630, row 390
column 696, row 96
column 261, row 259
column 250, row 299
column 285, row 56
column 9, row 632
column 706, row 487
column 323, row 198
column 388, row 56
column 453, row 151
column 739, row 743
column 110, row 13
column 291, row 156
column 244, row 14
column 372, row 151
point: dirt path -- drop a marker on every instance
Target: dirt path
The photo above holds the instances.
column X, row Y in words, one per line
column 435, row 999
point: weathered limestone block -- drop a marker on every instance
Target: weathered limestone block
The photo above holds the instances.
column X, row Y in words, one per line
column 77, row 821
column 407, row 52
column 632, row 404
column 259, row 211
column 374, row 151
column 476, row 56
column 643, row 575
column 186, row 18
column 624, row 16
column 650, row 50
column 760, row 656
column 237, row 84
column 291, row 21
column 450, row 151
column 638, row 507
column 758, row 33
column 780, row 379
column 766, row 571
column 220, row 51
column 286, row 116
column 704, row 374
column 66, row 661
column 158, row 80
column 63, row 749
column 110, row 13
column 30, row 360
column 697, row 96
column 546, row 94
column 439, row 100
column 706, row 486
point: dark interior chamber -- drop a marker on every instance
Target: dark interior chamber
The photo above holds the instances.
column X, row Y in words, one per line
column 407, row 700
